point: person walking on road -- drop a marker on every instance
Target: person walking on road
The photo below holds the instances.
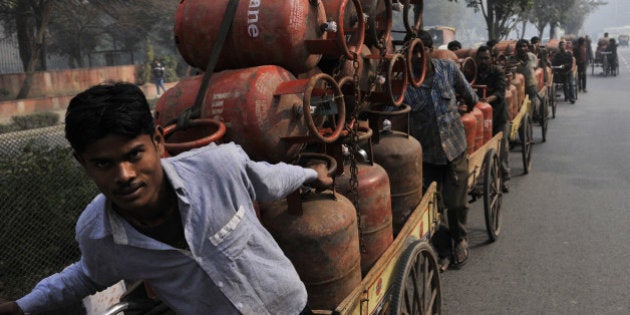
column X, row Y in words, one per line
column 437, row 124
column 158, row 76
column 493, row 77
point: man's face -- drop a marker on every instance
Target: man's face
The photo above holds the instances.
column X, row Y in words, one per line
column 522, row 49
column 484, row 59
column 562, row 46
column 127, row 171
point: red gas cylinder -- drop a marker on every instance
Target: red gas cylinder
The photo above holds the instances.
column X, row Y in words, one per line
column 322, row 242
column 389, row 85
column 201, row 132
column 401, row 156
column 486, row 109
column 540, row 76
column 263, row 32
column 506, row 47
column 519, row 82
column 465, row 53
column 379, row 26
column 350, row 34
column 509, row 103
column 444, row 54
column 480, row 130
column 375, row 209
column 263, row 108
column 470, row 127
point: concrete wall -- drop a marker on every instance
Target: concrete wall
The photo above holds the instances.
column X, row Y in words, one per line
column 52, row 90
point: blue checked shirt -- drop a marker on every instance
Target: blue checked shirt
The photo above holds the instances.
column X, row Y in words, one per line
column 435, row 121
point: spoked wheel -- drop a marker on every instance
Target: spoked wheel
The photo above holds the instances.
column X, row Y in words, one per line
column 544, row 117
column 525, row 134
column 553, row 101
column 492, row 194
column 417, row 286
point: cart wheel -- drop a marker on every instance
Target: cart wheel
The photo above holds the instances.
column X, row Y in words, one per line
column 553, row 101
column 492, row 194
column 544, row 117
column 417, row 286
column 525, row 134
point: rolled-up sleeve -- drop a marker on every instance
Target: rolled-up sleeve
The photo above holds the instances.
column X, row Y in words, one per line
column 69, row 286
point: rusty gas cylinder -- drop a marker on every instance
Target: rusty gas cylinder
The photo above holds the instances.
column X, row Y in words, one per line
column 379, row 21
column 506, row 47
column 375, row 209
column 540, row 76
column 466, row 52
column 444, row 54
column 322, row 242
column 509, row 102
column 478, row 114
column 348, row 38
column 519, row 82
column 262, row 32
column 199, row 133
column 470, row 128
column 401, row 156
column 265, row 109
column 486, row 109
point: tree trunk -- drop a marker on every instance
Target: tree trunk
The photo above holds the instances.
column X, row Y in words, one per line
column 35, row 53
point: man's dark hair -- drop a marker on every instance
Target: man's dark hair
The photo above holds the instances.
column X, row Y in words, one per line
column 481, row 49
column 491, row 43
column 534, row 40
column 426, row 38
column 521, row 42
column 454, row 45
column 119, row 109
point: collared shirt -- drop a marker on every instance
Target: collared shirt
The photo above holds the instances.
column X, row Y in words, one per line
column 563, row 58
column 233, row 265
column 435, row 120
column 494, row 78
column 528, row 69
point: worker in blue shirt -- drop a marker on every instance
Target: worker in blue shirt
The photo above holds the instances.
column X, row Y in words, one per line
column 186, row 225
column 437, row 124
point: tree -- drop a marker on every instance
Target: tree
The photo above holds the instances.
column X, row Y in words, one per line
column 500, row 15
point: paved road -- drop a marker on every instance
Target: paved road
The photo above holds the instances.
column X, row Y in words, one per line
column 565, row 242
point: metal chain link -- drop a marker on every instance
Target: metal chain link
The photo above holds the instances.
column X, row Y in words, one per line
column 354, row 152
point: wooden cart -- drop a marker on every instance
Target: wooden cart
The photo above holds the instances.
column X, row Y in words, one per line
column 522, row 125
column 405, row 279
column 485, row 179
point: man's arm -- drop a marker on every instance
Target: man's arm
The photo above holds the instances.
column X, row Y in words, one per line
column 275, row 181
column 498, row 84
column 463, row 88
column 69, row 286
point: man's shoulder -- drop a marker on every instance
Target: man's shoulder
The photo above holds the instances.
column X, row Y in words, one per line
column 91, row 222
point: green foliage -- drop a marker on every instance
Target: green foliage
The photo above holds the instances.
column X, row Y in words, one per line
column 36, row 120
column 43, row 191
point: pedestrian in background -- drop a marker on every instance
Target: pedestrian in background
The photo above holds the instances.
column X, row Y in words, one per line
column 158, row 76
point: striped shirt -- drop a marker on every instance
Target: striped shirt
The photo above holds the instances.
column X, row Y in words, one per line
column 435, row 120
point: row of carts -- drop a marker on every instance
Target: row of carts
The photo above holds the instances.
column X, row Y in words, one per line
column 405, row 278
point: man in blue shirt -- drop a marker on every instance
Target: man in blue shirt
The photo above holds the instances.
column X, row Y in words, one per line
column 437, row 124
column 186, row 224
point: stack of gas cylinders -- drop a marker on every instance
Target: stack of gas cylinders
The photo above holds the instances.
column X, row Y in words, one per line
column 309, row 79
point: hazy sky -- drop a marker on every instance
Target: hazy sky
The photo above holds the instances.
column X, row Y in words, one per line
column 615, row 13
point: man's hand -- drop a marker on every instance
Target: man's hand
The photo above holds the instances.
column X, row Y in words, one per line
column 10, row 308
column 323, row 180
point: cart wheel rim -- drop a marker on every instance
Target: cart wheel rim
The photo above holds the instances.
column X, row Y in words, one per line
column 417, row 284
column 492, row 194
